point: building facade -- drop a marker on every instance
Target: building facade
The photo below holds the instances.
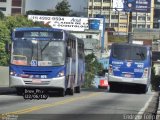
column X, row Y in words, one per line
column 119, row 20
column 12, row 7
column 156, row 14
column 91, row 40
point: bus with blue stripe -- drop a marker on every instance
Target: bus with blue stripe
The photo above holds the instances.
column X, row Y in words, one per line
column 46, row 58
column 130, row 65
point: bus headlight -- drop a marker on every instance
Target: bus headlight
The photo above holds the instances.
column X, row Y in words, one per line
column 61, row 73
column 110, row 71
column 12, row 73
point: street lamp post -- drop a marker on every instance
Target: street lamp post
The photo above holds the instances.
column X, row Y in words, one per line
column 130, row 28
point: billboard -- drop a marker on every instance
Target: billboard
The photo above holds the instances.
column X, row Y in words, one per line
column 66, row 23
column 118, row 5
column 137, row 5
column 132, row 5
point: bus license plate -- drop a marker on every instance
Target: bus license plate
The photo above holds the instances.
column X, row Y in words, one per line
column 128, row 75
column 36, row 81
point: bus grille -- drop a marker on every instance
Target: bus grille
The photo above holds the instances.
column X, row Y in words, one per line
column 42, row 83
column 36, row 72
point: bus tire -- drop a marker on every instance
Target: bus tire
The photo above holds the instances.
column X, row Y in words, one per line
column 70, row 91
column 144, row 89
column 19, row 91
column 77, row 89
column 61, row 92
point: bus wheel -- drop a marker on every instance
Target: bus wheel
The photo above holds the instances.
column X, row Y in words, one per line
column 77, row 89
column 144, row 89
column 19, row 91
column 61, row 92
column 70, row 91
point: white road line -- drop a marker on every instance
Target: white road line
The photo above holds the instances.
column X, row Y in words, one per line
column 141, row 112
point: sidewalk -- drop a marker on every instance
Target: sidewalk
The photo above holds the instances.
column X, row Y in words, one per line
column 158, row 109
column 7, row 90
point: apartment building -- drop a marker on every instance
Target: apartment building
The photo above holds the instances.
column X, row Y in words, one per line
column 119, row 20
column 12, row 7
column 156, row 14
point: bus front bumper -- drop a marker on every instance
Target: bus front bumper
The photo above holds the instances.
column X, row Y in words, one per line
column 128, row 80
column 37, row 83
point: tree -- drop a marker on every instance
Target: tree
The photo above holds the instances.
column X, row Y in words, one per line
column 6, row 25
column 63, row 8
column 1, row 15
column 4, row 37
column 37, row 12
column 92, row 67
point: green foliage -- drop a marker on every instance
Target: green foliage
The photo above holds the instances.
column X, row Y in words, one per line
column 37, row 12
column 1, row 15
column 63, row 8
column 155, row 80
column 4, row 37
column 20, row 21
column 6, row 25
column 92, row 67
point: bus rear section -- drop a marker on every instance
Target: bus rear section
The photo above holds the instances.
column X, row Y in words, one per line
column 130, row 65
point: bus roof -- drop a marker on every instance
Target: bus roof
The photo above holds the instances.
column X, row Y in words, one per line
column 131, row 44
column 36, row 29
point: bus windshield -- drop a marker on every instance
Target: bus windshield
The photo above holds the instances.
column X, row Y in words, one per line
column 34, row 52
column 128, row 52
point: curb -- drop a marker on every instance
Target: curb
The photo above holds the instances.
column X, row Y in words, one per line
column 151, row 111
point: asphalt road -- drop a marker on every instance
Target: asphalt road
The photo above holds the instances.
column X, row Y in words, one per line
column 90, row 104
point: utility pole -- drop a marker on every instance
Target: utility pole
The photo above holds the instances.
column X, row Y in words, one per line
column 130, row 28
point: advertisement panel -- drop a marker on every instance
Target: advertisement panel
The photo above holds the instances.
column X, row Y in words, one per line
column 66, row 23
column 118, row 5
column 132, row 5
column 137, row 5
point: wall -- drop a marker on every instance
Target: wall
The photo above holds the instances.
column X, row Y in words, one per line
column 4, row 76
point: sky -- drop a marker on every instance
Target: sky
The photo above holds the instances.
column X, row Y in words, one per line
column 76, row 5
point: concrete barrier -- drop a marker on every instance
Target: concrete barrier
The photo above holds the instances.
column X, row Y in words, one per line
column 4, row 76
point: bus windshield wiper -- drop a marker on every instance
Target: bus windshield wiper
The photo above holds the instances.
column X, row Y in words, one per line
column 45, row 45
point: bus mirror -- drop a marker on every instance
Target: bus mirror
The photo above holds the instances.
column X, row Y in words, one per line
column 69, row 51
column 7, row 47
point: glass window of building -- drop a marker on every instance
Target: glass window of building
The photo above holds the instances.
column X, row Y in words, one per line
column 107, row 25
column 16, row 10
column 148, row 26
column 106, row 8
column 88, row 36
column 17, row 3
column 2, row 9
column 141, row 18
column 148, row 18
column 141, row 26
column 97, row 0
column 3, row 0
column 90, row 15
column 90, row 7
column 134, row 17
column 97, row 7
column 106, row 1
column 134, row 25
column 114, row 24
column 114, row 17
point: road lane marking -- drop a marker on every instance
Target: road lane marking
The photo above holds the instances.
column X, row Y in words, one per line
column 141, row 112
column 38, row 107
